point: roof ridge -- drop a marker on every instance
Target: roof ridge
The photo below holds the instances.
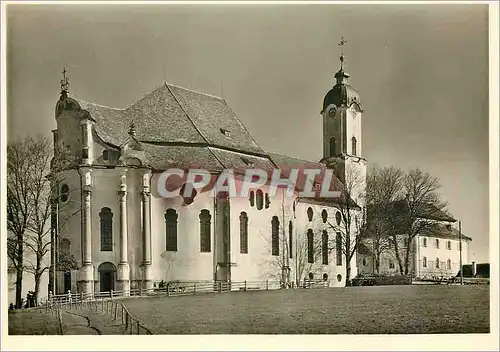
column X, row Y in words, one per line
column 195, row 91
column 145, row 95
column 295, row 158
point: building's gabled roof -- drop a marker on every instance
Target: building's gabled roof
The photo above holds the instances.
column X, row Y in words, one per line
column 447, row 233
column 427, row 211
column 171, row 114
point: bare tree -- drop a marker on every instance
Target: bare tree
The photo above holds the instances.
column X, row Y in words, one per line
column 383, row 188
column 418, row 213
column 351, row 229
column 36, row 185
column 20, row 164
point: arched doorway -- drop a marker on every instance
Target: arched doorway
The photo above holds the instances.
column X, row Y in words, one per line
column 107, row 273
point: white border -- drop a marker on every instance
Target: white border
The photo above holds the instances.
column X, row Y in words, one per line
column 456, row 342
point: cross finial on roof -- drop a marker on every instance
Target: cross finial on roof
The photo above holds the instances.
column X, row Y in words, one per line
column 342, row 43
column 64, row 81
column 131, row 130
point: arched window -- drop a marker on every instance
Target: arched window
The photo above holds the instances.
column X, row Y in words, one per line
column 338, row 217
column 437, row 243
column 338, row 248
column 333, row 147
column 437, row 263
column 259, row 199
column 243, row 233
column 64, row 193
column 290, row 239
column 448, row 264
column 448, row 245
column 267, row 200
column 424, row 262
column 324, row 247
column 275, row 228
column 171, row 230
column 310, row 213
column 424, row 242
column 391, row 264
column 106, row 217
column 324, row 216
column 252, row 198
column 353, row 146
column 205, row 230
column 311, row 276
column 364, row 261
column 325, row 277
column 310, row 246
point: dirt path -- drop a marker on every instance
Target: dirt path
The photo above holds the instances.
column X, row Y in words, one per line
column 86, row 322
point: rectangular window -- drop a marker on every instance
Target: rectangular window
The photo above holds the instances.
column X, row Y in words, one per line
column 205, row 231
column 324, row 247
column 310, row 246
column 243, row 233
column 171, row 230
column 275, row 227
column 338, row 248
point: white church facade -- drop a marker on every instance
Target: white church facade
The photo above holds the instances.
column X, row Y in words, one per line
column 124, row 235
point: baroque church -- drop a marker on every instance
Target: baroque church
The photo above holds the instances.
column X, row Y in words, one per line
column 123, row 235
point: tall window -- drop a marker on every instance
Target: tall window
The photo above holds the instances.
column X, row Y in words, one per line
column 424, row 242
column 437, row 263
column 391, row 264
column 424, row 262
column 252, row 198
column 324, row 247
column 437, row 243
column 448, row 245
column 259, row 199
column 448, row 264
column 353, row 146
column 64, row 193
column 338, row 247
column 106, row 217
column 310, row 246
column 275, row 228
column 310, row 213
column 243, row 233
column 324, row 215
column 338, row 218
column 205, row 230
column 171, row 229
column 333, row 146
column 290, row 239
column 268, row 202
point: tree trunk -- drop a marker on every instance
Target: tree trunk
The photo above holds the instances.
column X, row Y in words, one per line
column 38, row 278
column 396, row 252
column 407, row 260
column 348, row 274
column 19, row 272
column 377, row 264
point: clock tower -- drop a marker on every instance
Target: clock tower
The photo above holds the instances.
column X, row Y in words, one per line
column 342, row 142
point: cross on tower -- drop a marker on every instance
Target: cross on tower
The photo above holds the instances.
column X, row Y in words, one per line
column 342, row 43
column 64, row 81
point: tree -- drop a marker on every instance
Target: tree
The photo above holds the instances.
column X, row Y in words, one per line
column 383, row 188
column 20, row 165
column 352, row 224
column 38, row 186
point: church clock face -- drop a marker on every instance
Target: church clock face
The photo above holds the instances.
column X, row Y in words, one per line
column 332, row 112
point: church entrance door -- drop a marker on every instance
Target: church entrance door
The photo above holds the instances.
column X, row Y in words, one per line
column 107, row 273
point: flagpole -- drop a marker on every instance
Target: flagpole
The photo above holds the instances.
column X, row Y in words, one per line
column 460, row 247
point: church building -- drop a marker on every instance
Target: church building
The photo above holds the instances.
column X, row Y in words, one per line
column 124, row 235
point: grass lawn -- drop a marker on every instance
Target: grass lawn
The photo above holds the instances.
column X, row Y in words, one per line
column 32, row 323
column 419, row 309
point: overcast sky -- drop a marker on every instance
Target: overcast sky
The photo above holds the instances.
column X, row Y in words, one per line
column 421, row 70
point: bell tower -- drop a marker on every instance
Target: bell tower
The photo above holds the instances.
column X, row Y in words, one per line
column 342, row 121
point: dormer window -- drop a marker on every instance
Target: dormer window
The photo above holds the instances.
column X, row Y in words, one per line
column 247, row 162
column 225, row 132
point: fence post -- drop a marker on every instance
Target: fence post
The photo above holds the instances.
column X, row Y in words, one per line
column 194, row 289
column 220, row 286
column 111, row 294
column 116, row 308
column 131, row 325
column 122, row 314
column 126, row 322
column 267, row 284
column 245, row 285
column 138, row 327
